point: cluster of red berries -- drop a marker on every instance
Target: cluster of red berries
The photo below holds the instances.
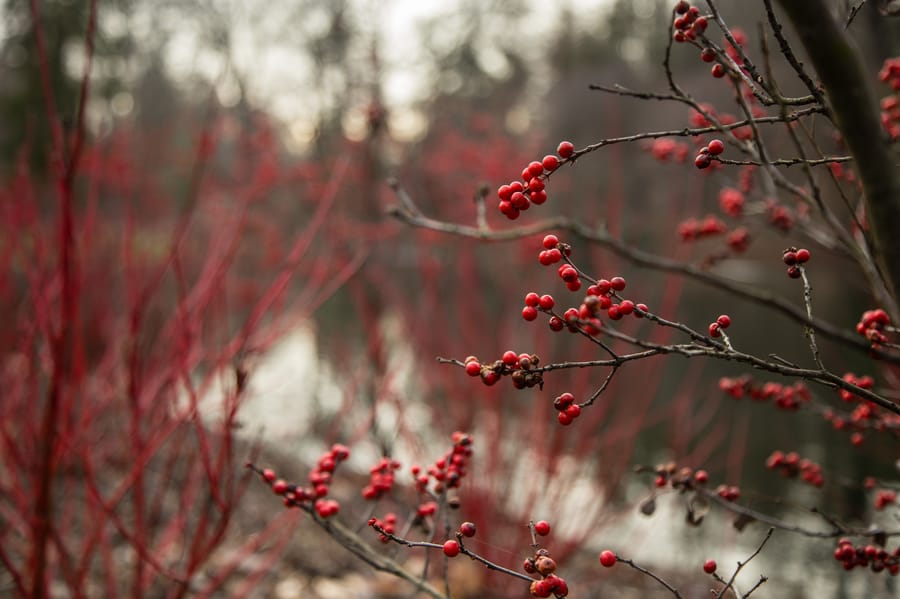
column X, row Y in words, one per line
column 890, row 105
column 543, row 564
column 665, row 149
column 535, row 302
column 447, row 471
column 731, row 201
column 381, row 478
column 682, row 479
column 697, row 120
column 689, row 23
column 519, row 367
column 428, row 508
column 716, row 329
column 846, row 174
column 738, row 240
column 728, row 493
column 599, row 298
column 319, row 479
column 518, row 196
column 693, row 229
column 865, row 414
column 875, row 558
column 706, row 153
column 779, row 216
column 553, row 250
column 388, row 526
column 872, row 324
column 863, row 382
column 792, row 465
column 794, row 258
column 786, row 397
column 884, row 498
column 854, row 422
column 567, row 409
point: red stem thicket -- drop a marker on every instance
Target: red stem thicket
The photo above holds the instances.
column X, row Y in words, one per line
column 131, row 333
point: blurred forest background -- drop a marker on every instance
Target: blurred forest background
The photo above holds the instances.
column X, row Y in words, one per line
column 307, row 107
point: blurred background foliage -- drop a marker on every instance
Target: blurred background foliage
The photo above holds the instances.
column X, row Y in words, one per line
column 447, row 97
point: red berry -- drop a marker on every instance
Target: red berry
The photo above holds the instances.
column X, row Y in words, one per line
column 563, row 401
column 564, row 418
column 546, row 302
column 550, row 242
column 327, row 507
column 532, row 299
column 541, row 588
column 568, row 273
column 473, row 368
column 707, row 55
column 451, row 548
column 542, row 528
column 793, row 272
column 716, row 147
column 510, row 357
column 682, row 7
column 617, row 283
column 789, row 258
column 504, row 192
column 467, row 529
column 718, row 71
column 545, row 565
column 724, row 321
column 490, row 377
column 538, row 197
column 550, row 162
column 803, row 255
column 701, row 477
column 556, row 324
column 607, row 558
column 529, row 313
column 508, row 210
column 573, row 411
column 536, row 169
column 702, row 161
column 519, row 201
column 626, row 307
column 268, row 475
column 544, row 258
column 699, row 26
column 714, row 330
column 709, row 566
column 279, row 487
column 565, row 149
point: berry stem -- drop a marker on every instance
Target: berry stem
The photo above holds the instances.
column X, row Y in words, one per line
column 808, row 331
column 652, row 575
